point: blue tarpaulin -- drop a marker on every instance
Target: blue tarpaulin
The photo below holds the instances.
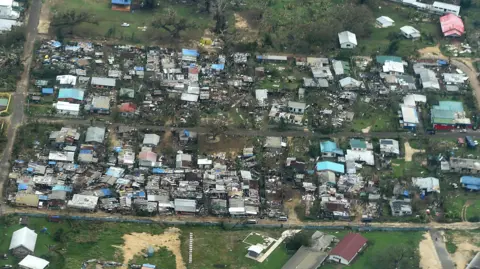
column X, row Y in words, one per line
column 47, row 91
column 218, row 66
column 52, row 162
column 442, row 62
column 30, row 169
column 471, row 183
column 62, row 188
column 107, row 192
column 122, row 2
column 56, row 44
column 186, row 133
column 188, row 52
column 148, row 265
column 22, row 186
column 117, row 149
column 43, row 197
column 85, row 151
column 158, row 171
column 405, row 193
column 139, row 68
column 19, row 161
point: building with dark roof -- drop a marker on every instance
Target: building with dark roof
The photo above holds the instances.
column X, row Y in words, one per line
column 345, row 251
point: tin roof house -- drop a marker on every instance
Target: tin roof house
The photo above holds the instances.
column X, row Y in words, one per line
column 452, row 25
column 348, row 40
column 23, row 242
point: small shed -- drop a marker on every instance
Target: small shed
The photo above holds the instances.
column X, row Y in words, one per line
column 255, row 251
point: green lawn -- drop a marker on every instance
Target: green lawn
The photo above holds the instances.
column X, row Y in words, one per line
column 162, row 257
column 473, row 211
column 254, row 239
column 402, row 169
column 379, row 120
column 109, row 21
column 379, row 41
column 378, row 241
column 79, row 242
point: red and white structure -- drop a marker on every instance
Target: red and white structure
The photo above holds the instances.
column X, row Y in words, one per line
column 452, row 25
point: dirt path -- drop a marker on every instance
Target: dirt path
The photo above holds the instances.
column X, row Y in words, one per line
column 409, row 151
column 136, row 243
column 366, row 130
column 44, row 23
column 465, row 250
column 428, row 255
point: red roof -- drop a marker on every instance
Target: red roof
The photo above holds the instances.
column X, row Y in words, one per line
column 452, row 25
column 127, row 107
column 349, row 246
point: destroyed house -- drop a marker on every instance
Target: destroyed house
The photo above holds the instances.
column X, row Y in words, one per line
column 468, row 166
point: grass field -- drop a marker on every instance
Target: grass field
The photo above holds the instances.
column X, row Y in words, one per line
column 378, row 241
column 109, row 21
column 377, row 118
column 379, row 40
column 401, row 168
column 79, row 243
column 254, row 239
column 473, row 211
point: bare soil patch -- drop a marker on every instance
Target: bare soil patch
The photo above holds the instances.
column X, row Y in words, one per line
column 432, row 51
column 428, row 255
column 409, row 151
column 135, row 243
column 466, row 249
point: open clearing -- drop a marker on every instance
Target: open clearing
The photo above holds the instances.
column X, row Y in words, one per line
column 409, row 151
column 135, row 243
column 467, row 243
column 428, row 255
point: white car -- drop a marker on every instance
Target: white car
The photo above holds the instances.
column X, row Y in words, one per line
column 125, row 24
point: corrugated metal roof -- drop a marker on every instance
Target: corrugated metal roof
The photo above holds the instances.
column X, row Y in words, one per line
column 24, row 237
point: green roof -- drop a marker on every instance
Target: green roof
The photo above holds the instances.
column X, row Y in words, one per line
column 381, row 59
column 3, row 102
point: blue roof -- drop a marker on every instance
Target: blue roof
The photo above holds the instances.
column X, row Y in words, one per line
column 22, row 186
column 331, row 166
column 52, row 162
column 71, row 94
column 122, row 2
column 62, row 188
column 472, row 183
column 218, row 66
column 86, row 151
column 43, row 197
column 442, row 62
column 139, row 68
column 188, row 52
column 330, row 146
column 107, row 192
column 158, row 171
column 47, row 90
column 148, row 265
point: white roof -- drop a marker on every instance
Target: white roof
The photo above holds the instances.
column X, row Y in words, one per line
column 428, row 78
column 83, row 201
column 409, row 114
column 256, row 248
column 429, row 184
column 6, row 25
column 360, row 156
column 338, row 67
column 67, row 106
column 261, row 95
column 67, row 80
column 349, row 82
column 385, row 20
column 391, row 66
column 204, row 162
column 189, row 97
column 413, row 99
column 246, row 175
column 442, row 5
column 61, row 156
column 110, row 82
column 347, row 37
column 409, row 30
column 33, row 262
column 6, row 3
column 23, row 237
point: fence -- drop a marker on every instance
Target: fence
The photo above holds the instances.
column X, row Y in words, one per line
column 219, row 224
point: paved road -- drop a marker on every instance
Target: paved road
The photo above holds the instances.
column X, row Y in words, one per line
column 17, row 118
column 441, row 249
